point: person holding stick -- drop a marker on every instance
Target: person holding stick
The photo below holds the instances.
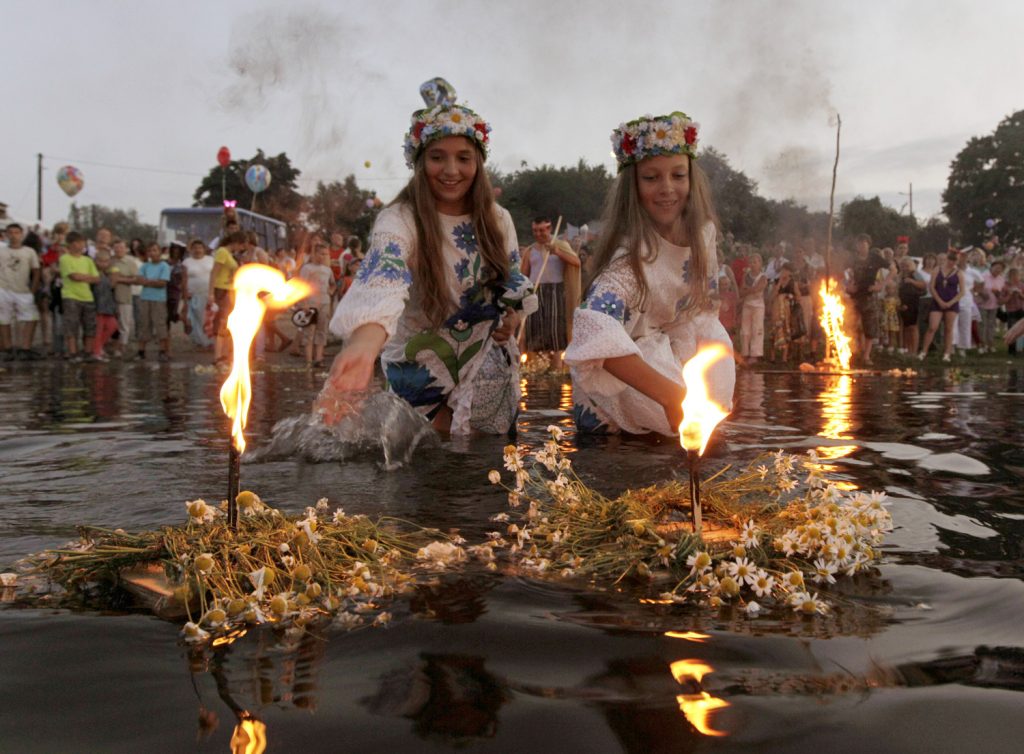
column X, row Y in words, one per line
column 650, row 303
column 554, row 268
column 438, row 297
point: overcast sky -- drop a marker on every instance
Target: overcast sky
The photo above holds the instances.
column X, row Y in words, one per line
column 163, row 85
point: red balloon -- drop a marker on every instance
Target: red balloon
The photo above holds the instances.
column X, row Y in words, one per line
column 224, row 156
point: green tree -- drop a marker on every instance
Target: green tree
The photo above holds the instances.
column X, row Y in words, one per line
column 741, row 212
column 576, row 194
column 345, row 208
column 870, row 216
column 281, row 200
column 124, row 223
column 986, row 183
column 933, row 236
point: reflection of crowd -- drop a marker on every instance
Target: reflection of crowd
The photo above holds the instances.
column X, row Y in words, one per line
column 962, row 299
column 68, row 297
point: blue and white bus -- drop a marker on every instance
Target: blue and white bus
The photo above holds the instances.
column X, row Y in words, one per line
column 205, row 223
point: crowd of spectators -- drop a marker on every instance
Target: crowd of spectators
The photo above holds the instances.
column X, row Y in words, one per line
column 65, row 296
column 961, row 300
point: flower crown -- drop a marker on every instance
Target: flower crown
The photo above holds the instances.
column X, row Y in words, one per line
column 443, row 117
column 649, row 136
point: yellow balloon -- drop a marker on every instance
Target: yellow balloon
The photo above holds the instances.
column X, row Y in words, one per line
column 366, row 164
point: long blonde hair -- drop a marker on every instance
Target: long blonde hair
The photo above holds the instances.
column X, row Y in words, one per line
column 625, row 224
column 427, row 259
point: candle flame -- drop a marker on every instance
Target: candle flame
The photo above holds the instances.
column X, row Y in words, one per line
column 700, row 414
column 833, row 316
column 243, row 323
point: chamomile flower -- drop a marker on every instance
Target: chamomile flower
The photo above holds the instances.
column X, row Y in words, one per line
column 742, row 570
column 763, row 583
column 699, row 562
column 493, row 476
column 823, row 570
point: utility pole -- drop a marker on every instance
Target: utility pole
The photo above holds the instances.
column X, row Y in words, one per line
column 39, row 188
column 911, row 199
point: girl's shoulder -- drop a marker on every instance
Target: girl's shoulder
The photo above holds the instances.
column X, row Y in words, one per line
column 396, row 219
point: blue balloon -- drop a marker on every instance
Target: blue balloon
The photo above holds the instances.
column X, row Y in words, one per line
column 257, row 178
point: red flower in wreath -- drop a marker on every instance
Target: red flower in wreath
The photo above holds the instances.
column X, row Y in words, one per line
column 482, row 130
column 418, row 129
column 690, row 134
column 628, row 144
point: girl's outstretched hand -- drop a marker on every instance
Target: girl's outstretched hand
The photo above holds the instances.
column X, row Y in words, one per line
column 351, row 372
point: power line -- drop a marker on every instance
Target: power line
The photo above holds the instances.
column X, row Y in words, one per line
column 121, row 167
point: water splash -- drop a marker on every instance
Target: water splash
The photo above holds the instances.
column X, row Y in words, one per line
column 377, row 422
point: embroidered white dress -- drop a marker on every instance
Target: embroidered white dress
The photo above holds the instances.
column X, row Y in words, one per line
column 458, row 364
column 609, row 323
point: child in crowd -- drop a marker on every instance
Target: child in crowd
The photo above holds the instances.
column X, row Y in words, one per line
column 437, row 295
column 320, row 277
column 891, row 324
column 154, row 275
column 650, row 304
column 77, row 273
column 106, row 305
column 124, row 268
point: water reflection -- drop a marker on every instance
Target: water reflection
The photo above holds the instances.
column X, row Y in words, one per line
column 836, row 409
column 697, row 704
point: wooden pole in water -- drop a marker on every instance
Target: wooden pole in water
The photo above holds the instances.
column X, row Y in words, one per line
column 828, row 237
column 694, row 458
column 234, row 471
column 831, row 204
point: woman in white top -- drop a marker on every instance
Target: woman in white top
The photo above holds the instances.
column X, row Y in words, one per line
column 439, row 292
column 650, row 301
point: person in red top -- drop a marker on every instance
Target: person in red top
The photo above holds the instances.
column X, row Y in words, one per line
column 337, row 251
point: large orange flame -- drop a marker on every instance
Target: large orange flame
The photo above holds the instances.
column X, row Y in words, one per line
column 243, row 323
column 833, row 316
column 700, row 414
column 697, row 707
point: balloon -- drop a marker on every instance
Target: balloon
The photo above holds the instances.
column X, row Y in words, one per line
column 990, row 223
column 70, row 179
column 369, row 203
column 257, row 178
column 377, row 203
column 224, row 157
column 498, row 191
column 366, row 164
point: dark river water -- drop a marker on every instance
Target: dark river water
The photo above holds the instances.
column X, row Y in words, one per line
column 925, row 655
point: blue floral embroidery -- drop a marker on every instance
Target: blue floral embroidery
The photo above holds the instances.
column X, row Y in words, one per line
column 413, row 382
column 477, row 304
column 610, row 304
column 462, row 269
column 686, row 270
column 586, row 420
column 513, row 258
column 386, row 263
column 465, row 237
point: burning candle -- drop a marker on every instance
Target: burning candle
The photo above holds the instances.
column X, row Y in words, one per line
column 700, row 417
column 254, row 285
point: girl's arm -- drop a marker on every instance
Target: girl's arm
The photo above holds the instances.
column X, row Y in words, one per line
column 353, row 367
column 641, row 376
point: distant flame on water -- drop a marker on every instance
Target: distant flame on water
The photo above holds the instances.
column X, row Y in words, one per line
column 243, row 323
column 833, row 316
column 698, row 706
column 700, row 414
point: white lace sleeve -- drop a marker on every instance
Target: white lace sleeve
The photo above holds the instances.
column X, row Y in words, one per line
column 519, row 291
column 602, row 327
column 381, row 287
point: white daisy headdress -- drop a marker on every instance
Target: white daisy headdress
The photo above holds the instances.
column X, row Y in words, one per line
column 443, row 117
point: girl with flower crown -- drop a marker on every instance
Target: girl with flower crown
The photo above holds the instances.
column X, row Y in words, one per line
column 650, row 301
column 438, row 294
